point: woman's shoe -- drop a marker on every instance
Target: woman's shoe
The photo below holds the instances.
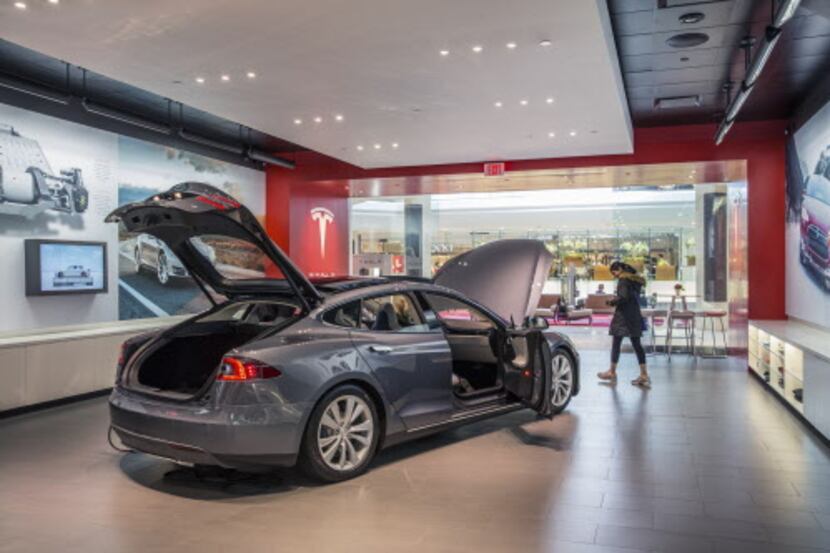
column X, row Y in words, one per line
column 642, row 381
column 609, row 376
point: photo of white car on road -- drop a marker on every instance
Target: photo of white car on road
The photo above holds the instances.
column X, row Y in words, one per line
column 73, row 275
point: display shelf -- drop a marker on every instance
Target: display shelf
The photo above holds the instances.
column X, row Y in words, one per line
column 793, row 360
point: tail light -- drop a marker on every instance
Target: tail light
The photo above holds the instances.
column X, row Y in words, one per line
column 240, row 369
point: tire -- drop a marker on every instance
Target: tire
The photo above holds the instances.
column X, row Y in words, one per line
column 564, row 380
column 353, row 451
column 162, row 270
column 80, row 200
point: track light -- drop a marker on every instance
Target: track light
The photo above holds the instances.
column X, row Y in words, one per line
column 196, row 139
column 722, row 130
column 263, row 157
column 772, row 35
column 34, row 90
column 737, row 103
column 121, row 117
column 785, row 12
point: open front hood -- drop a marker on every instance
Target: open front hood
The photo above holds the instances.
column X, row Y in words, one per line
column 506, row 275
column 189, row 211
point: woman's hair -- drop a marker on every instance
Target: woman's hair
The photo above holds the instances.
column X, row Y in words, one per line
column 624, row 267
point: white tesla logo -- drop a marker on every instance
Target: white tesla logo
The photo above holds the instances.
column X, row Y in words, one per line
column 323, row 217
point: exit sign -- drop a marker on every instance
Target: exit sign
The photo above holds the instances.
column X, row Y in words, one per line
column 494, row 169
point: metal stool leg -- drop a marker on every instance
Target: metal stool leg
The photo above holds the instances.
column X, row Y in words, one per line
column 669, row 336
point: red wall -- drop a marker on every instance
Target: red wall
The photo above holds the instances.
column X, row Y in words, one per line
column 761, row 144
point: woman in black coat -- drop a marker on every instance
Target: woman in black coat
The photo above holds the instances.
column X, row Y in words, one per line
column 627, row 321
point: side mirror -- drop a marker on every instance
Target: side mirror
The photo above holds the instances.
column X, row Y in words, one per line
column 539, row 323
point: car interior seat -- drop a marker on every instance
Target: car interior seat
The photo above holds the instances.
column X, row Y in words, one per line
column 386, row 318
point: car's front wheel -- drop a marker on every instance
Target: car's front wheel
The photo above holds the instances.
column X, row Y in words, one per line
column 342, row 435
column 562, row 385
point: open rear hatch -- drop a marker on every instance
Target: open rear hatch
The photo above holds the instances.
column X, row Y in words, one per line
column 223, row 247
column 219, row 241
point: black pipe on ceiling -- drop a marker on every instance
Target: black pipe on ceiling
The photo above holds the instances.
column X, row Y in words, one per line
column 786, row 10
column 89, row 106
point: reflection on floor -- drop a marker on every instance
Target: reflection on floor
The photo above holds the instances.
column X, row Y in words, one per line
column 706, row 461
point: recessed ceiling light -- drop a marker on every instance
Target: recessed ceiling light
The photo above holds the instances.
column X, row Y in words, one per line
column 251, row 75
column 477, row 48
column 338, row 117
column 572, row 133
column 523, row 102
column 444, row 53
column 226, row 78
column 20, row 5
column 377, row 146
column 54, row 1
column 545, row 43
column 318, row 119
column 298, row 121
column 395, row 145
column 498, row 104
column 551, row 134
column 360, row 148
column 511, row 45
column 200, row 80
column 549, row 100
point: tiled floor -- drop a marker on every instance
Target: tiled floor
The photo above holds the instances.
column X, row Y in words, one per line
column 707, row 461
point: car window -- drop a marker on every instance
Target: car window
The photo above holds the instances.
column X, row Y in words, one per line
column 819, row 188
column 392, row 313
column 447, row 308
column 234, row 258
column 347, row 315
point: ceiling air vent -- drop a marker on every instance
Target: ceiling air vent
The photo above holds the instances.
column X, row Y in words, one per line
column 676, row 102
column 687, row 40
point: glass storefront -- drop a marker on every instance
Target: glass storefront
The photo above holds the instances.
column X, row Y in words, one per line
column 658, row 230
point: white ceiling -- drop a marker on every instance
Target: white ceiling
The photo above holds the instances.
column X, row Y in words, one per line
column 375, row 62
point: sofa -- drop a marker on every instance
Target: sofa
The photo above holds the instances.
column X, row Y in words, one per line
column 597, row 303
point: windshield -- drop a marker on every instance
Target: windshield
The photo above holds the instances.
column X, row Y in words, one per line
column 819, row 188
column 236, row 259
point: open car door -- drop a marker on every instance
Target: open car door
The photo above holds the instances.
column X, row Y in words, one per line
column 218, row 240
column 528, row 371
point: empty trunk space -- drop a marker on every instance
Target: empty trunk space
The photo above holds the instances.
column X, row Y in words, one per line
column 183, row 364
column 180, row 364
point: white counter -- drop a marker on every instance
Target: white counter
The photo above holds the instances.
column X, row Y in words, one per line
column 47, row 365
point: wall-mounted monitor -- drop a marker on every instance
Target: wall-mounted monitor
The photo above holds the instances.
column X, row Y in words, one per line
column 61, row 267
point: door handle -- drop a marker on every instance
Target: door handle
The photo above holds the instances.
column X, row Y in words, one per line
column 380, row 349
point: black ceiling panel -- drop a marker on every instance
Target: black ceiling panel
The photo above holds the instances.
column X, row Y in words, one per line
column 653, row 69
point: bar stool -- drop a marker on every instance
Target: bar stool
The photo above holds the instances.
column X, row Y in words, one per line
column 686, row 319
column 711, row 317
column 652, row 316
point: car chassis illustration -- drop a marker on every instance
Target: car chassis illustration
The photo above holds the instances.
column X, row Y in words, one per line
column 28, row 186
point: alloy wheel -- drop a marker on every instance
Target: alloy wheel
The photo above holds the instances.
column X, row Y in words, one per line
column 344, row 436
column 137, row 259
column 162, row 272
column 563, row 380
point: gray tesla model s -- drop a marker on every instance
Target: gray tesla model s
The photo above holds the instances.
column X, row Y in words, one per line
column 284, row 371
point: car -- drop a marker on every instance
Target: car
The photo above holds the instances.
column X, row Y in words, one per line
column 815, row 221
column 73, row 275
column 150, row 252
column 28, row 186
column 285, row 371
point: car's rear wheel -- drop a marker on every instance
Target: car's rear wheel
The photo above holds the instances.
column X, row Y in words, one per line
column 342, row 435
column 562, row 385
